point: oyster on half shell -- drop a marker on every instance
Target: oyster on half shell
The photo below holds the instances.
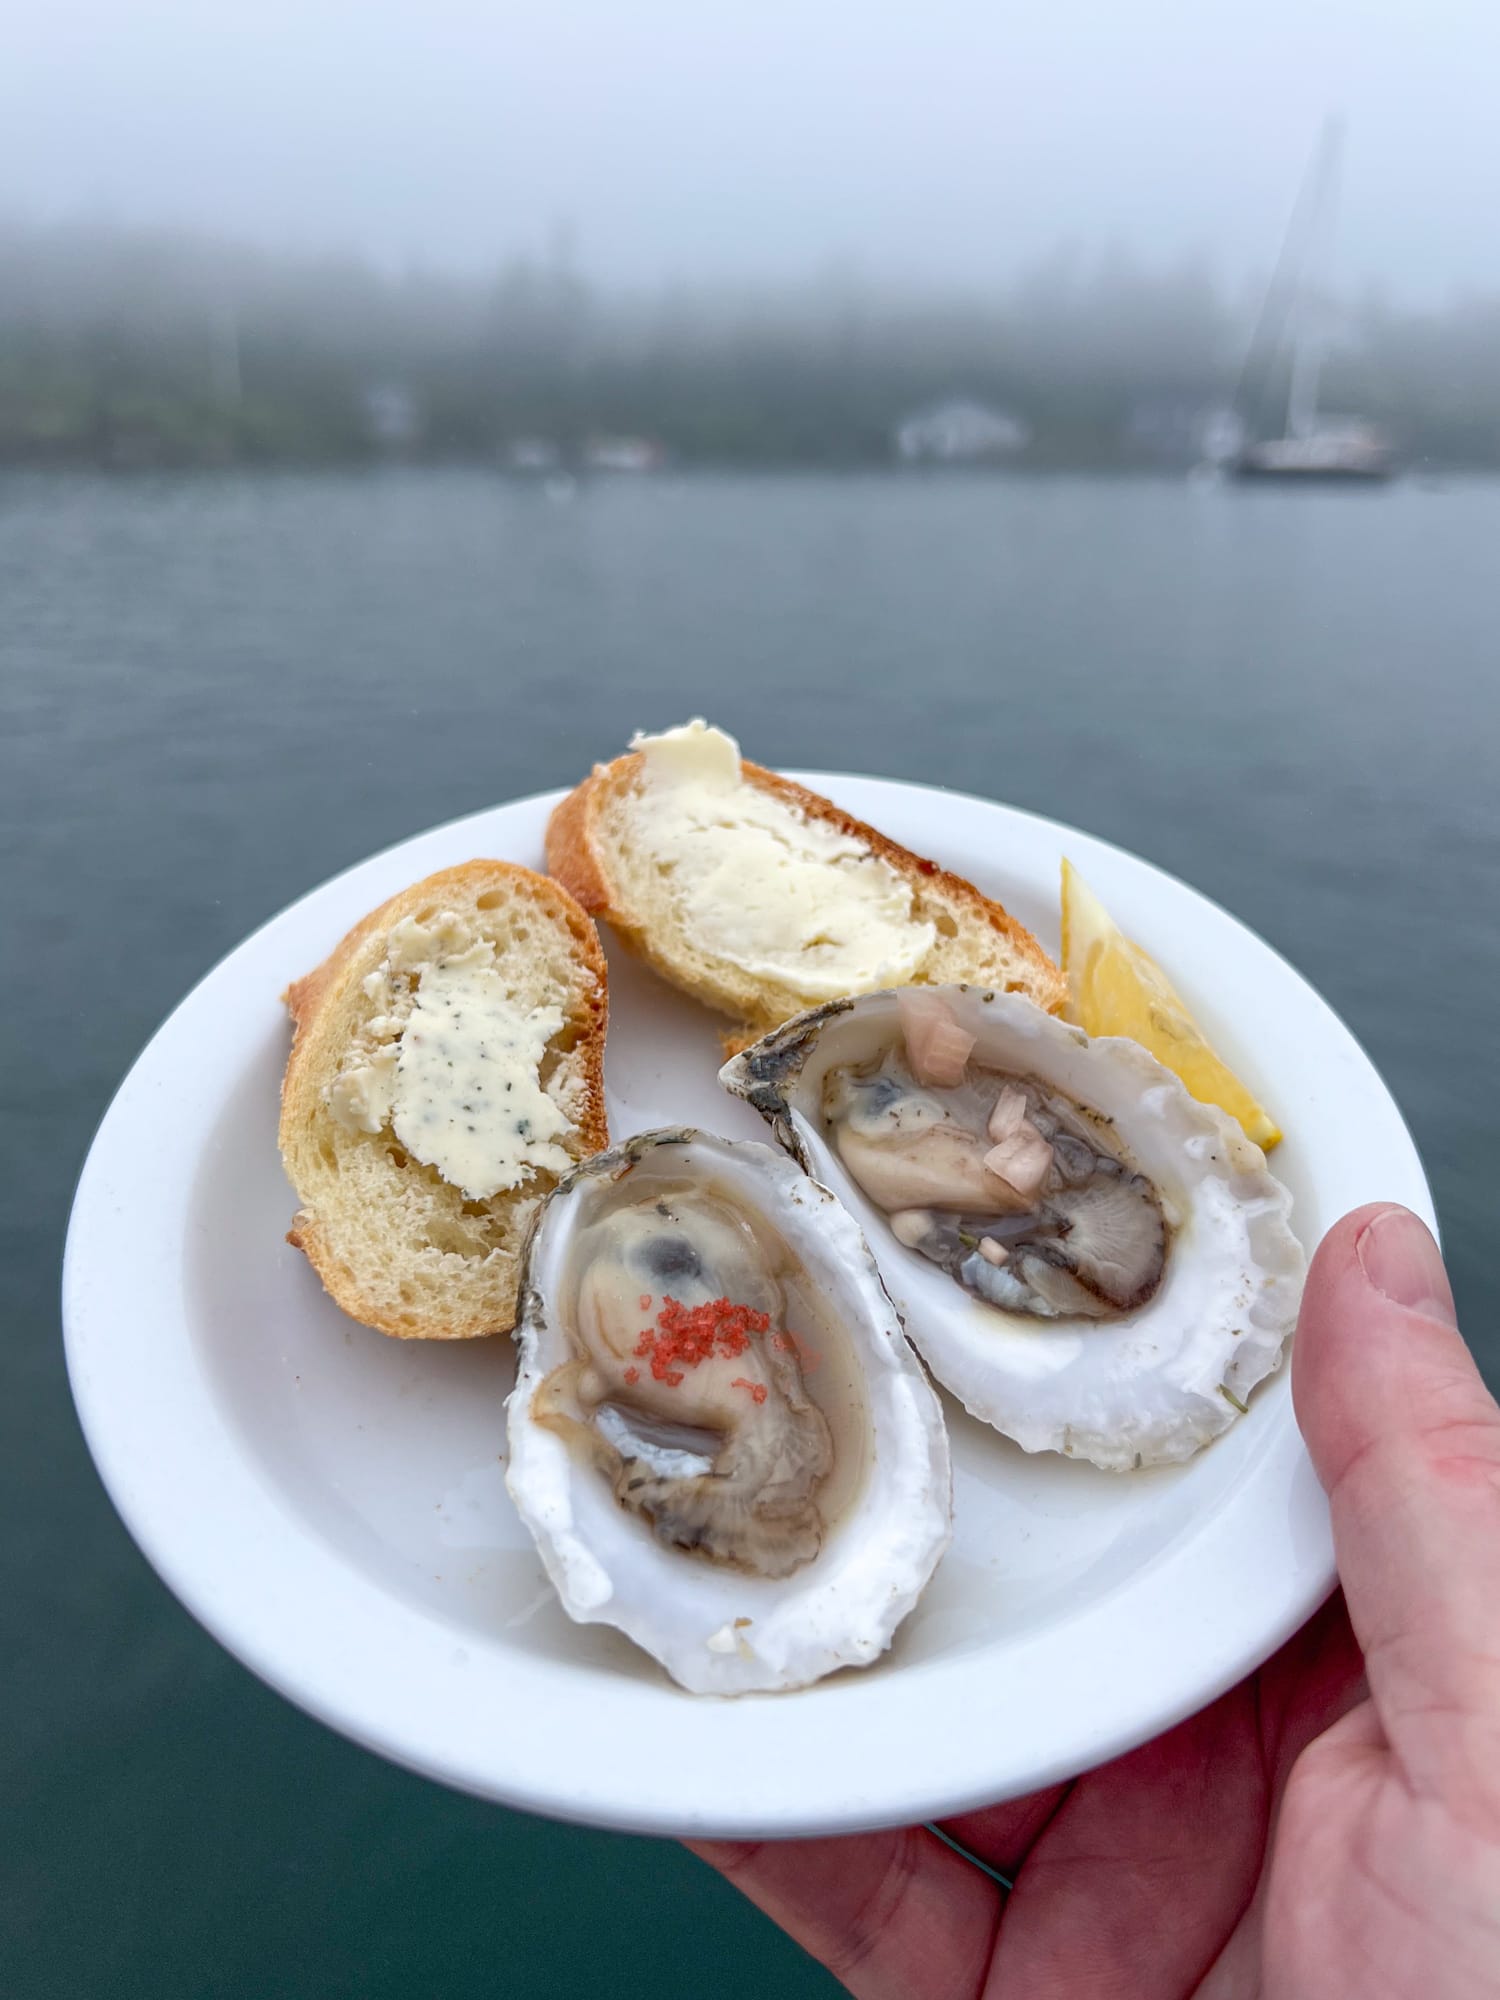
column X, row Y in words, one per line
column 1089, row 1258
column 719, row 1436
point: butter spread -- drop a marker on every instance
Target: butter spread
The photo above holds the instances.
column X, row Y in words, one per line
column 468, row 1098
column 360, row 1096
column 452, row 1063
column 782, row 897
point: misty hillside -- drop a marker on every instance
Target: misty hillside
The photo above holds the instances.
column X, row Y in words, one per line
column 136, row 347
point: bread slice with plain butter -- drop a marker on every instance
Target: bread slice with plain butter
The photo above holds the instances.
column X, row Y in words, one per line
column 761, row 898
column 447, row 1069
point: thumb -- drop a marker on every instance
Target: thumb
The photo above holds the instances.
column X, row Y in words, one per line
column 1406, row 1441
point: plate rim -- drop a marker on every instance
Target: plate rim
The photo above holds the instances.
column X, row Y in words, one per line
column 263, row 1649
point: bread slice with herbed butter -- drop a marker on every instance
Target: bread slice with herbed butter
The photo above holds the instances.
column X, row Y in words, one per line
column 762, row 899
column 447, row 1069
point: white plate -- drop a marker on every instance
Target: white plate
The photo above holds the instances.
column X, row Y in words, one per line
column 331, row 1503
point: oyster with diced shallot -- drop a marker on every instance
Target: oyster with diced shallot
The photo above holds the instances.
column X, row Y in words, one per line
column 1092, row 1260
column 719, row 1436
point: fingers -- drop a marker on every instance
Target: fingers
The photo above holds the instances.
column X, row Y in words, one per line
column 1147, row 1867
column 1002, row 1836
column 1133, row 1878
column 889, row 1914
column 1312, row 1683
column 1406, row 1440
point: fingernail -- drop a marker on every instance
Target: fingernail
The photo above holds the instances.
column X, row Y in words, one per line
column 1400, row 1259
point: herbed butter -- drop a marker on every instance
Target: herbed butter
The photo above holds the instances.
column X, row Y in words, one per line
column 782, row 897
column 453, row 1065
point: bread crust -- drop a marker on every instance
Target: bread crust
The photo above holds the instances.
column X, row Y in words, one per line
column 573, row 856
column 302, row 1081
column 576, row 859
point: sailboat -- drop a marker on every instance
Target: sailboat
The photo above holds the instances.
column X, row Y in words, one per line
column 1280, row 380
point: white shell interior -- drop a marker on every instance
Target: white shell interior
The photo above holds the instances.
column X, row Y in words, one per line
column 1147, row 1388
column 716, row 1630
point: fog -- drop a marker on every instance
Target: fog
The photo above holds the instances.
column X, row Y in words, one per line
column 953, row 143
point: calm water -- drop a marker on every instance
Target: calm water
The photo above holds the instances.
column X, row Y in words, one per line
column 215, row 692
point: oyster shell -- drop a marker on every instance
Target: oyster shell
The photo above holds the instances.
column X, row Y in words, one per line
column 719, row 1436
column 1118, row 1296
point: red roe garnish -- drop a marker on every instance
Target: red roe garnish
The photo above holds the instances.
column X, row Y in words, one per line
column 757, row 1389
column 632, row 1375
column 685, row 1335
column 645, row 1302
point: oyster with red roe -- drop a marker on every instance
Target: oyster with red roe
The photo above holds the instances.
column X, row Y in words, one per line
column 719, row 1437
column 1089, row 1258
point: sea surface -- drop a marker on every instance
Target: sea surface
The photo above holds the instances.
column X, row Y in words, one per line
column 217, row 690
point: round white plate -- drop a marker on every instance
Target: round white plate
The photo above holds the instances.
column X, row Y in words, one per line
column 331, row 1504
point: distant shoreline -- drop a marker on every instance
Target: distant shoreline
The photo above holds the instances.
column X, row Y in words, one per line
column 123, row 349
column 1032, row 471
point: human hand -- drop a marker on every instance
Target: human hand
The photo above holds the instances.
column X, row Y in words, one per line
column 1328, row 1830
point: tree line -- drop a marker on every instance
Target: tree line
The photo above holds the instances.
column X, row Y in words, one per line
column 122, row 346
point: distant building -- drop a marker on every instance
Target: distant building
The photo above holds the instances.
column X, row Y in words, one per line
column 392, row 418
column 622, row 454
column 960, row 433
column 542, row 457
column 531, row 454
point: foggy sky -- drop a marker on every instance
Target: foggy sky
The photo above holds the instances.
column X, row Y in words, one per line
column 941, row 142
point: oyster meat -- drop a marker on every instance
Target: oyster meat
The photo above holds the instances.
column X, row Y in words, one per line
column 719, row 1436
column 1093, row 1261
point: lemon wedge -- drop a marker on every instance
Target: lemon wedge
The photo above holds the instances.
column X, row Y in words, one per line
column 1115, row 988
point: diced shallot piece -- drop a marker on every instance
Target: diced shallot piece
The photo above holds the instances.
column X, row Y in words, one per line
column 993, row 1252
column 936, row 1046
column 1024, row 1160
column 1009, row 1111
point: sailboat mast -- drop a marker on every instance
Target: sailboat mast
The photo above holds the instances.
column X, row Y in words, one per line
column 1286, row 351
column 1307, row 369
column 1310, row 315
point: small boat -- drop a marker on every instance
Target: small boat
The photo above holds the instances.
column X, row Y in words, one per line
column 1282, row 369
column 1345, row 452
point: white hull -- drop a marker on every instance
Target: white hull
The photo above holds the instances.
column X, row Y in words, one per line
column 1315, row 458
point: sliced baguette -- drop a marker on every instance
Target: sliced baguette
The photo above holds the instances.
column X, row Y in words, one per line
column 395, row 1244
column 592, row 850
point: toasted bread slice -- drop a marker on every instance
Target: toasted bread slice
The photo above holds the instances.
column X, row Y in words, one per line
column 396, row 1245
column 594, row 851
